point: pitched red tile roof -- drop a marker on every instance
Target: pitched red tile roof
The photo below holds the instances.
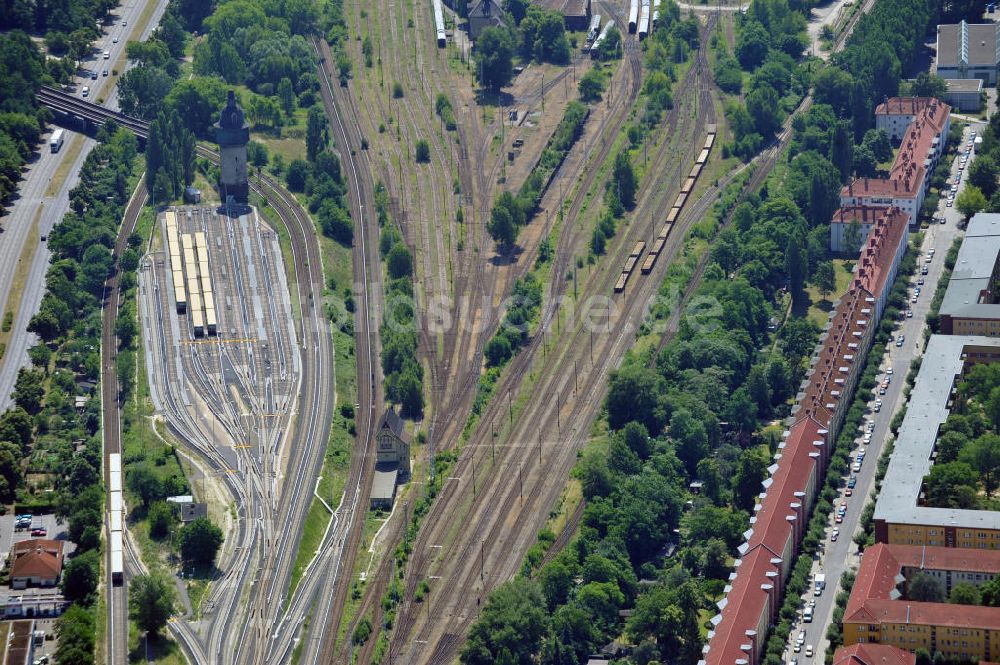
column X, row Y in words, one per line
column 903, row 105
column 874, row 597
column 37, row 558
column 873, row 654
column 906, row 177
column 780, row 519
column 880, row 249
column 863, row 214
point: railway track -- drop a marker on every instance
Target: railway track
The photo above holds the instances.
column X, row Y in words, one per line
column 117, row 629
column 491, row 526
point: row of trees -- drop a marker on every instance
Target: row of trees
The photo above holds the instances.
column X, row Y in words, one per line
column 44, row 424
column 404, row 375
column 22, row 71
column 511, row 212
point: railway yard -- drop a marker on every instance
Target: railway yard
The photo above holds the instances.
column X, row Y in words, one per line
column 234, row 321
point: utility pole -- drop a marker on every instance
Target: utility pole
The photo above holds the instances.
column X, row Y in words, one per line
column 510, row 407
column 482, row 559
column 520, row 481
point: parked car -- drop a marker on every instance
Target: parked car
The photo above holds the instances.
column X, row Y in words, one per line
column 39, row 533
column 855, row 467
column 834, row 534
column 909, row 313
column 839, row 519
column 809, row 650
column 852, row 481
column 848, row 492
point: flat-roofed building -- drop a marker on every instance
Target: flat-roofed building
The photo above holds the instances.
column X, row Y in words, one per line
column 971, row 304
column 968, row 51
column 900, row 519
column 877, row 611
column 964, row 94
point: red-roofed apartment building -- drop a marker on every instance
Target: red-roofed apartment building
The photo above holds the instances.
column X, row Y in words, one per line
column 36, row 562
column 756, row 585
column 877, row 612
column 873, row 654
column 921, row 145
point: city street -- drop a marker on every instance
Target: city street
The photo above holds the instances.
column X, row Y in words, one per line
column 44, row 192
column 837, row 557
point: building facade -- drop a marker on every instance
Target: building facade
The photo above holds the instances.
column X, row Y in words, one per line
column 922, row 125
column 780, row 517
column 900, row 518
column 879, row 612
column 232, row 133
column 971, row 304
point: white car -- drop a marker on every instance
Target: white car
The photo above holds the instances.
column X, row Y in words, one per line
column 949, row 203
column 809, row 650
column 888, row 370
column 856, row 466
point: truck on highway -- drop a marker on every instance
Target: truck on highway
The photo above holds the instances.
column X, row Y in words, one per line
column 820, row 584
column 56, row 140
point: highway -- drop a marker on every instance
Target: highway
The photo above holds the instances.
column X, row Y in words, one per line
column 842, row 556
column 43, row 195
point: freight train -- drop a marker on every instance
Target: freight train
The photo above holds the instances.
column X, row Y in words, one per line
column 671, row 220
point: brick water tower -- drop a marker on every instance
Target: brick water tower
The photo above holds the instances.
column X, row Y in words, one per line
column 232, row 133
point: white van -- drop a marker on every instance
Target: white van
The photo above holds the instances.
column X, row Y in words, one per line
column 807, row 615
column 107, row 54
column 86, row 91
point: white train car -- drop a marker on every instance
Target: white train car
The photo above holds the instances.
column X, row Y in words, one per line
column 595, row 49
column 595, row 28
column 117, row 558
column 442, row 38
column 644, row 19
column 655, row 20
column 633, row 15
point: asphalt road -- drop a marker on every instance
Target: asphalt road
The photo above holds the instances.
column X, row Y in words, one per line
column 33, row 197
column 838, row 557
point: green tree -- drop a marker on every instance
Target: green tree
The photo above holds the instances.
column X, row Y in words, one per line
column 970, row 201
column 825, row 278
column 298, row 172
column 422, row 152
column 286, row 95
column 495, row 53
column 752, row 45
column 151, row 602
column 399, row 262
column 80, row 577
column 144, row 483
column 591, row 86
column 922, row 587
column 983, row 455
column 990, row 592
column 796, row 266
column 316, row 132
column 764, row 109
column 556, row 580
column 983, row 175
column 965, row 593
column 751, row 470
column 842, row 150
column 257, row 154
column 29, row 390
column 76, row 630
column 513, row 619
column 951, row 485
column 877, row 140
column 623, row 179
column 928, row 85
column 161, row 519
column 501, row 227
column 200, row 542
